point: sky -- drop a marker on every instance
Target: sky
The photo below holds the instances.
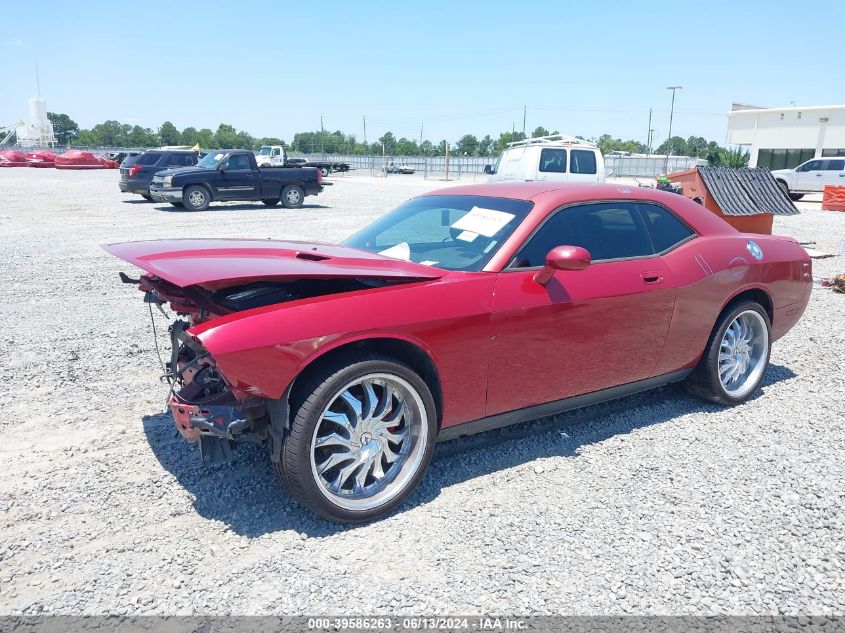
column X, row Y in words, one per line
column 274, row 68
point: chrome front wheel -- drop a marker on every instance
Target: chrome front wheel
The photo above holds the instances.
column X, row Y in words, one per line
column 743, row 354
column 369, row 442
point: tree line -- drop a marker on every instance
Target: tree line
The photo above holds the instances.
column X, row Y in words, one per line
column 116, row 134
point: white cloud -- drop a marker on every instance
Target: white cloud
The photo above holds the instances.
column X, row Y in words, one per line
column 15, row 43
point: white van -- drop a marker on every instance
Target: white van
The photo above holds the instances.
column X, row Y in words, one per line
column 558, row 157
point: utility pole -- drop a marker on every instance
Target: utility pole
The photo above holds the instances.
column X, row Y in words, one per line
column 671, row 114
column 648, row 137
column 524, row 114
column 421, row 131
column 365, row 129
column 322, row 146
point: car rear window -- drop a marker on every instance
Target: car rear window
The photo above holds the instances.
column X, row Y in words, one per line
column 583, row 161
column 149, row 158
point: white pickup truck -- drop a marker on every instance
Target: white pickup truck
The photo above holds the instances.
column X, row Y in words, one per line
column 811, row 177
column 277, row 156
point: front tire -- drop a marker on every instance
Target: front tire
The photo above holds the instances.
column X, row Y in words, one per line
column 795, row 197
column 361, row 437
column 196, row 198
column 293, row 196
column 147, row 197
column 325, row 171
column 736, row 357
column 783, row 186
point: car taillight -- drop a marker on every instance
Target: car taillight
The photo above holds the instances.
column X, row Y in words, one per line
column 319, row 176
column 134, row 170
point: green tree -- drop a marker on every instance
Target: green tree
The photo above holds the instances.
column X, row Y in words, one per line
column 426, row 148
column 467, row 145
column 676, row 145
column 389, row 143
column 508, row 137
column 205, row 137
column 485, row 146
column 225, row 136
column 142, row 137
column 65, row 128
column 736, row 157
column 109, row 134
column 188, row 136
column 407, row 147
column 169, row 134
column 540, row 131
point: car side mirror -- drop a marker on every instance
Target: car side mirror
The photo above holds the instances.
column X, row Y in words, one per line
column 563, row 258
column 488, row 169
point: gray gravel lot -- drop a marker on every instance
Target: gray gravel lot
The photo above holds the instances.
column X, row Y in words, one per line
column 658, row 503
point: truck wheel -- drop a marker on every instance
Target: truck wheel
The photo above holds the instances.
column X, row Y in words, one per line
column 270, row 202
column 325, row 171
column 361, row 436
column 196, row 198
column 784, row 186
column 796, row 196
column 293, row 196
column 147, row 197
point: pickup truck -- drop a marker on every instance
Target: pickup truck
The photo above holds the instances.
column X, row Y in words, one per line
column 811, row 176
column 277, row 156
column 232, row 174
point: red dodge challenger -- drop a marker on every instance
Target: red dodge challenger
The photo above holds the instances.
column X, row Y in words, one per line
column 462, row 310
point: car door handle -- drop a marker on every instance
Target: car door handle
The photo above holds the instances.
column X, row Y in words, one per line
column 652, row 277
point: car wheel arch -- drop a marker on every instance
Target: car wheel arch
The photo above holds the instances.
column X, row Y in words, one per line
column 404, row 350
column 756, row 294
column 203, row 185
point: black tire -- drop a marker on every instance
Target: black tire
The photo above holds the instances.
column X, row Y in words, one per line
column 784, row 186
column 196, row 198
column 325, row 171
column 795, row 197
column 147, row 197
column 293, row 196
column 270, row 202
column 178, row 204
column 308, row 402
column 704, row 381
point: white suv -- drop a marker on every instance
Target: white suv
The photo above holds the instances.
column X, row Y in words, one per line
column 558, row 158
column 811, row 177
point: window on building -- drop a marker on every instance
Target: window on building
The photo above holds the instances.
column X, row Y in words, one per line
column 833, row 152
column 783, row 158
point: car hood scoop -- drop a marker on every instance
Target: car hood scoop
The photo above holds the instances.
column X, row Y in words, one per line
column 216, row 263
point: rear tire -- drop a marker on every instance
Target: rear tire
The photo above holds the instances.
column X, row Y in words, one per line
column 147, row 197
column 795, row 197
column 196, row 198
column 736, row 357
column 784, row 186
column 361, row 437
column 293, row 196
column 270, row 202
column 324, row 171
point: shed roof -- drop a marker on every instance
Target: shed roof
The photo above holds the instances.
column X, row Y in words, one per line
column 746, row 191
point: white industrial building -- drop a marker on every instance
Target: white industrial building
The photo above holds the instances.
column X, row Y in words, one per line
column 781, row 138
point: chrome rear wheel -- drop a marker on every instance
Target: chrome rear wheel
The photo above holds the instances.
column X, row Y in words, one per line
column 743, row 354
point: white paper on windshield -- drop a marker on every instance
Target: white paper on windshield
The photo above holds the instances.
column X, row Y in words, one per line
column 218, row 156
column 486, row 222
column 428, row 262
column 400, row 251
column 467, row 236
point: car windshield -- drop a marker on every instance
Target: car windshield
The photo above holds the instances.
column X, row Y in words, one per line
column 451, row 232
column 212, row 160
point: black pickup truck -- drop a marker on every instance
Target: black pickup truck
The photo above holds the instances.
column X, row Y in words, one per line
column 232, row 174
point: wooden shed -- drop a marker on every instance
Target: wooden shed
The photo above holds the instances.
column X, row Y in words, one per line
column 747, row 198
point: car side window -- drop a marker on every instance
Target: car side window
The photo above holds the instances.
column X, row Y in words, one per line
column 609, row 230
column 836, row 165
column 553, row 160
column 582, row 161
column 238, row 161
column 813, row 165
column 665, row 228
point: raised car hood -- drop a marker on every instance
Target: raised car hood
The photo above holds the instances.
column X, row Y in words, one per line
column 218, row 263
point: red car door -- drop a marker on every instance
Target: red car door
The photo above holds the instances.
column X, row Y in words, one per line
column 585, row 330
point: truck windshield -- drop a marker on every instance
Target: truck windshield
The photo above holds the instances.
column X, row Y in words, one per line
column 212, row 160
column 451, row 232
column 264, row 151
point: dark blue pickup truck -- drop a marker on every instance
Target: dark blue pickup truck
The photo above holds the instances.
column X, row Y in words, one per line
column 232, row 174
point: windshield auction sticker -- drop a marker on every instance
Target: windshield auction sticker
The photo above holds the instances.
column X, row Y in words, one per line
column 486, row 222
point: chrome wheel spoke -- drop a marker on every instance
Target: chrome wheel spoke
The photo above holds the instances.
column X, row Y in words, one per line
column 333, row 440
column 333, row 460
column 370, row 399
column 742, row 353
column 355, row 406
column 340, row 419
column 385, row 403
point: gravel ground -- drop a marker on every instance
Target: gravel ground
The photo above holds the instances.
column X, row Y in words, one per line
column 655, row 504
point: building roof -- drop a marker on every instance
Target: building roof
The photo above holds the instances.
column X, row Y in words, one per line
column 746, row 191
column 749, row 109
